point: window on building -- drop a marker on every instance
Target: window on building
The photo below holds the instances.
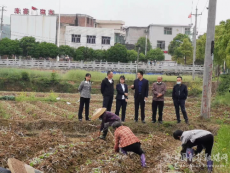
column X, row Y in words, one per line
column 76, row 38
column 168, row 31
column 161, row 45
column 91, row 39
column 87, row 20
column 187, row 31
column 105, row 40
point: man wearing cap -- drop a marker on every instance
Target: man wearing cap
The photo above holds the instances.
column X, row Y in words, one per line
column 108, row 118
column 201, row 138
column 127, row 141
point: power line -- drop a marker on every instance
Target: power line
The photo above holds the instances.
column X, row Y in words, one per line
column 202, row 12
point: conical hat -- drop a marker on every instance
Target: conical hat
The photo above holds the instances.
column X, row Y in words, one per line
column 98, row 113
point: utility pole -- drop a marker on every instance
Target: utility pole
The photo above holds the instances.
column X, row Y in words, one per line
column 194, row 44
column 146, row 42
column 59, row 27
column 1, row 31
column 139, row 48
column 208, row 63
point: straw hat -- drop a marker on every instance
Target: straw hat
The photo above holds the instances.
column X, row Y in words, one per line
column 98, row 113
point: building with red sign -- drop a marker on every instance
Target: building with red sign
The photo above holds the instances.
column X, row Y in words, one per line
column 26, row 11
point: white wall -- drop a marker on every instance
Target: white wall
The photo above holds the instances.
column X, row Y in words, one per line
column 84, row 31
column 134, row 33
column 43, row 28
column 156, row 33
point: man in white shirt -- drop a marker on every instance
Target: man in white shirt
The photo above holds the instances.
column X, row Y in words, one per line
column 201, row 138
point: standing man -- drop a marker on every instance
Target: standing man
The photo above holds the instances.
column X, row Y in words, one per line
column 159, row 90
column 179, row 95
column 141, row 87
column 107, row 90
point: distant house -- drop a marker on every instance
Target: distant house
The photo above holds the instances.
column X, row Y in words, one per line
column 6, row 31
column 160, row 36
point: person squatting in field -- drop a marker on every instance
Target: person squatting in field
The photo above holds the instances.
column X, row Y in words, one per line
column 201, row 138
column 127, row 141
column 108, row 118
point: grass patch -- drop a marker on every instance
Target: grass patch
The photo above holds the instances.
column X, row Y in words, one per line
column 52, row 97
column 222, row 100
column 221, row 152
column 3, row 113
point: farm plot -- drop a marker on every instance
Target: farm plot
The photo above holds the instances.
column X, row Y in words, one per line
column 45, row 133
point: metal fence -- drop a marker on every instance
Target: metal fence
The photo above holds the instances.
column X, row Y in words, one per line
column 96, row 65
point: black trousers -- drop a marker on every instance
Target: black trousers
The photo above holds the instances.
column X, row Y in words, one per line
column 119, row 104
column 136, row 148
column 160, row 106
column 107, row 102
column 180, row 104
column 84, row 101
column 140, row 100
column 205, row 142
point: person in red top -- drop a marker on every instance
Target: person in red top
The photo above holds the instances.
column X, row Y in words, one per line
column 127, row 141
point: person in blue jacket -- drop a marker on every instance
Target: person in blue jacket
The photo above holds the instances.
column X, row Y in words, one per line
column 122, row 97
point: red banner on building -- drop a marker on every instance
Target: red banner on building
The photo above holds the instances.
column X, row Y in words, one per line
column 42, row 12
column 51, row 12
column 17, row 11
column 26, row 11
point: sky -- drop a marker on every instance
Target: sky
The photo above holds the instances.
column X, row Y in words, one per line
column 132, row 12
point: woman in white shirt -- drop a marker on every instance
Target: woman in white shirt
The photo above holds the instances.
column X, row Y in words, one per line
column 122, row 98
column 85, row 90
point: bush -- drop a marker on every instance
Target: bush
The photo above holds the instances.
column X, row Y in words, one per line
column 224, row 84
column 25, row 76
column 222, row 100
column 194, row 89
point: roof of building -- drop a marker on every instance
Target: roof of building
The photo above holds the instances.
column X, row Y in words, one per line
column 110, row 22
column 75, row 15
column 170, row 25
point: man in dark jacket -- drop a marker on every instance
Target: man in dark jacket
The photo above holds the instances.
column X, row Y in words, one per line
column 107, row 90
column 141, row 87
column 179, row 95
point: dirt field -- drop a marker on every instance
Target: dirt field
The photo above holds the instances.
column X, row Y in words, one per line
column 49, row 137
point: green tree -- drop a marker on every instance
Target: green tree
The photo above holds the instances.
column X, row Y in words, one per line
column 116, row 53
column 84, row 53
column 100, row 55
column 10, row 47
column 48, row 50
column 200, row 50
column 131, row 55
column 66, row 50
column 141, row 42
column 186, row 50
column 27, row 44
column 155, row 54
column 142, row 58
column 177, row 41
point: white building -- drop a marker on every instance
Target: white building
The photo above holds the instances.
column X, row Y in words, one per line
column 96, row 38
column 159, row 35
column 43, row 28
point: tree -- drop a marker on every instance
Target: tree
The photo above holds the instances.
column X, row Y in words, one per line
column 84, row 53
column 131, row 55
column 177, row 41
column 66, row 50
column 100, row 55
column 155, row 54
column 116, row 53
column 27, row 44
column 142, row 58
column 200, row 50
column 141, row 42
column 10, row 47
column 186, row 49
column 48, row 50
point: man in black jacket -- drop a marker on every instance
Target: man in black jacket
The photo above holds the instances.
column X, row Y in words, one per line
column 107, row 90
column 141, row 87
column 179, row 95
